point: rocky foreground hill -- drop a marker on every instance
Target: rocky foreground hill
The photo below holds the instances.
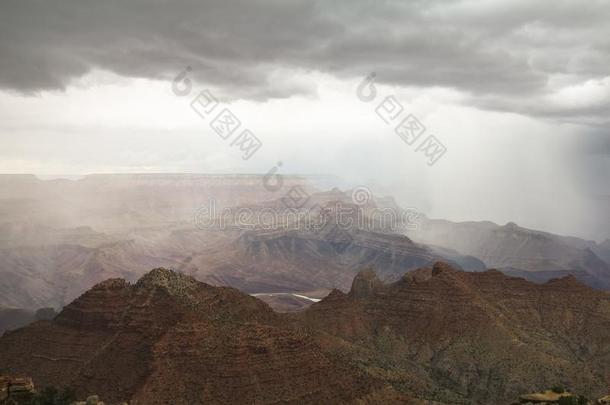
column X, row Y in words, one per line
column 436, row 334
column 169, row 339
column 463, row 337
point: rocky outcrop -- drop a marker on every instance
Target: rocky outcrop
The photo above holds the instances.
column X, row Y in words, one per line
column 15, row 388
column 473, row 337
column 546, row 397
column 437, row 333
column 365, row 284
column 130, row 342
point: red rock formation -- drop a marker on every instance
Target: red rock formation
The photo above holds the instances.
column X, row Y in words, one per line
column 15, row 388
column 473, row 336
column 170, row 339
column 437, row 333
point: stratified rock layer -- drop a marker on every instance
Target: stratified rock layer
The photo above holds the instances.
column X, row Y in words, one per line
column 437, row 333
column 169, row 339
column 471, row 337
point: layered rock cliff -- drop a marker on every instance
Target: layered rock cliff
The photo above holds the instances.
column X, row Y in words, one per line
column 170, row 339
column 471, row 337
column 437, row 333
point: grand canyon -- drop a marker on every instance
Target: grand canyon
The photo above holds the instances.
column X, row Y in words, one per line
column 267, row 202
column 157, row 309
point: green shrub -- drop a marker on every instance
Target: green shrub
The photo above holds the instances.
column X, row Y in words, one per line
column 49, row 396
column 573, row 400
column 567, row 401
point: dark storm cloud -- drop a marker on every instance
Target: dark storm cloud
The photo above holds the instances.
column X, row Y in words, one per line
column 504, row 55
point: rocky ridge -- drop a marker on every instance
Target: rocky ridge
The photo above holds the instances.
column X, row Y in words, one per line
column 459, row 337
column 437, row 333
column 129, row 342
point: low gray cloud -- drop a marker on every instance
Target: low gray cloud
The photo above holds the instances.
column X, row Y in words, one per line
column 509, row 56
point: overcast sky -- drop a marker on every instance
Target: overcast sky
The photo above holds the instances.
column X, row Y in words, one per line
column 518, row 92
